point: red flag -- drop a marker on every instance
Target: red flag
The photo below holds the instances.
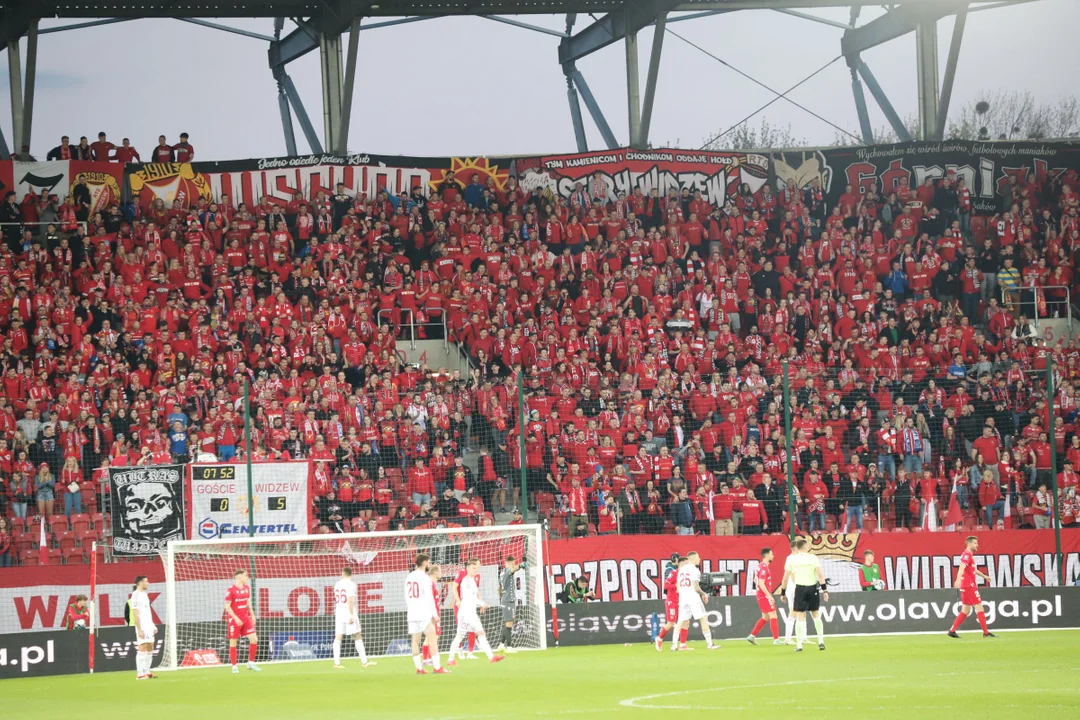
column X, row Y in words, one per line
column 43, row 545
column 953, row 516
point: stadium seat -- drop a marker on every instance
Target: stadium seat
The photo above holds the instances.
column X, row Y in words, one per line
column 382, row 523
column 869, row 524
column 74, row 556
column 900, row 530
column 97, row 520
column 80, row 522
column 24, row 541
column 87, row 551
column 55, row 556
column 66, row 541
column 30, row 558
column 58, row 524
column 89, row 498
column 87, row 536
column 558, row 526
column 591, row 532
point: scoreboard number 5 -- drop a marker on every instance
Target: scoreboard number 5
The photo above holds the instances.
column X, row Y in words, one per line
column 276, row 502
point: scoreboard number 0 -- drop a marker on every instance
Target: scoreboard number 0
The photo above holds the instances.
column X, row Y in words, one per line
column 219, row 504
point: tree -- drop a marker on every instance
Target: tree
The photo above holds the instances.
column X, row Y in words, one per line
column 746, row 137
column 1015, row 115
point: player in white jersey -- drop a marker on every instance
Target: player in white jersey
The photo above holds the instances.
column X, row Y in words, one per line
column 143, row 620
column 788, row 593
column 691, row 603
column 470, row 606
column 347, row 618
column 422, row 615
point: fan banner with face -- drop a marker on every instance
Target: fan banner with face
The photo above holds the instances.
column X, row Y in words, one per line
column 148, row 508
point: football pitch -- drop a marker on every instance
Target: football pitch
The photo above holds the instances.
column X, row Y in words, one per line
column 882, row 677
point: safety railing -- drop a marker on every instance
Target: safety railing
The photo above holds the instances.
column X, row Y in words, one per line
column 391, row 312
column 1038, row 304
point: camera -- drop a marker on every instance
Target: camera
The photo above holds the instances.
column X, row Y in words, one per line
column 714, row 583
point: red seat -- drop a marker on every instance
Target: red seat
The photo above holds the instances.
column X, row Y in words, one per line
column 86, row 550
column 89, row 497
column 98, row 520
column 80, row 522
column 74, row 556
column 559, row 527
column 899, row 529
column 382, row 523
column 592, row 530
column 55, row 556
column 58, row 524
column 869, row 524
column 66, row 541
column 18, row 525
column 24, row 542
column 30, row 558
column 87, row 537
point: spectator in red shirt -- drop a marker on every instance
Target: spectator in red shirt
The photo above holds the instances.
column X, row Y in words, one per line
column 421, row 483
column 990, row 498
column 753, row 520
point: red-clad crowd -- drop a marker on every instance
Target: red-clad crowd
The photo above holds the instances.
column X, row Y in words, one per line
column 652, row 332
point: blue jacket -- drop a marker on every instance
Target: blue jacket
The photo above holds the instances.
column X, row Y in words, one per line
column 681, row 515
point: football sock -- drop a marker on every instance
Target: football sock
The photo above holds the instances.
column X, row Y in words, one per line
column 982, row 621
column 361, row 651
column 472, row 641
column 676, row 635
column 455, row 647
column 706, row 632
column 757, row 627
column 819, row 623
column 507, row 634
column 774, row 626
column 800, row 631
column 789, row 626
column 484, row 646
column 425, row 652
column 958, row 622
column 337, row 651
column 683, row 634
column 417, row 662
column 663, row 632
column 140, row 661
column 252, row 649
column 435, row 659
column 232, row 654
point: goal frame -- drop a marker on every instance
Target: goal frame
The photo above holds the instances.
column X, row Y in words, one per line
column 537, row 575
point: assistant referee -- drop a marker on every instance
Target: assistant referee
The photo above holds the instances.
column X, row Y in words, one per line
column 810, row 589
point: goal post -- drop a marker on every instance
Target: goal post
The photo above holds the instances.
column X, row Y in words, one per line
column 292, row 580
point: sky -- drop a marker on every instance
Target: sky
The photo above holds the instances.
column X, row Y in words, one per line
column 471, row 86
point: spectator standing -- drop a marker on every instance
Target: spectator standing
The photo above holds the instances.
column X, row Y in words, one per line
column 63, row 151
column 682, row 516
column 163, row 153
column 185, row 153
column 754, row 520
column 126, row 153
column 45, row 487
column 7, row 551
column 71, row 480
column 101, row 151
column 990, row 498
column 21, row 492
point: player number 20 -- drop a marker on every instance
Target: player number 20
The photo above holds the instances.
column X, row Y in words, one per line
column 414, row 590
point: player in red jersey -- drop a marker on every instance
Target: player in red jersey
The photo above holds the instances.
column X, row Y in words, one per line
column 967, row 583
column 671, row 599
column 471, row 641
column 241, row 619
column 765, row 600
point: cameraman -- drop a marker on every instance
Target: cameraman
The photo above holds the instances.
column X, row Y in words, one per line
column 577, row 591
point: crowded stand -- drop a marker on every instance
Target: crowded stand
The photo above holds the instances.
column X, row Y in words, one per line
column 655, row 337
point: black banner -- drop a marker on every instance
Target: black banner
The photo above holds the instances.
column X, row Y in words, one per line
column 986, row 167
column 43, row 653
column 868, row 613
column 148, row 508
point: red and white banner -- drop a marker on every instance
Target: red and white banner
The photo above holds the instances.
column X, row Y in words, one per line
column 631, row 567
column 59, row 177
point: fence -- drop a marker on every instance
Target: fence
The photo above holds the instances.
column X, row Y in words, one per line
column 884, row 437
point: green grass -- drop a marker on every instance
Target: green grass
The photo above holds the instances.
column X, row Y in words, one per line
column 1018, row 674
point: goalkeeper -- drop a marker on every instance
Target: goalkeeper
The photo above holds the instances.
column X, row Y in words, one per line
column 870, row 573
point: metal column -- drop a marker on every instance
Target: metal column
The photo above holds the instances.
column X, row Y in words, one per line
column 342, row 146
column 15, row 81
column 301, row 114
column 950, row 72
column 883, row 102
column 633, row 93
column 594, row 110
column 860, row 108
column 330, row 62
column 659, row 31
column 28, row 91
column 575, row 116
column 926, row 63
column 286, row 120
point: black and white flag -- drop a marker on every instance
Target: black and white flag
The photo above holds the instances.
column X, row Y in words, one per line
column 147, row 508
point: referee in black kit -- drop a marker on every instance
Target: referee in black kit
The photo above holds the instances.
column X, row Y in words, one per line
column 810, row 590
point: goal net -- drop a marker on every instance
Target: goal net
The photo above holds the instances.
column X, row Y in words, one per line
column 293, row 578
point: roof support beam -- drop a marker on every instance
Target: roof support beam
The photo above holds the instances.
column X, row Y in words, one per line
column 612, row 28
column 659, row 32
column 950, row 72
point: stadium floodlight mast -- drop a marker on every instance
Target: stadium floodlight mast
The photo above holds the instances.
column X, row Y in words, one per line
column 293, row 601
